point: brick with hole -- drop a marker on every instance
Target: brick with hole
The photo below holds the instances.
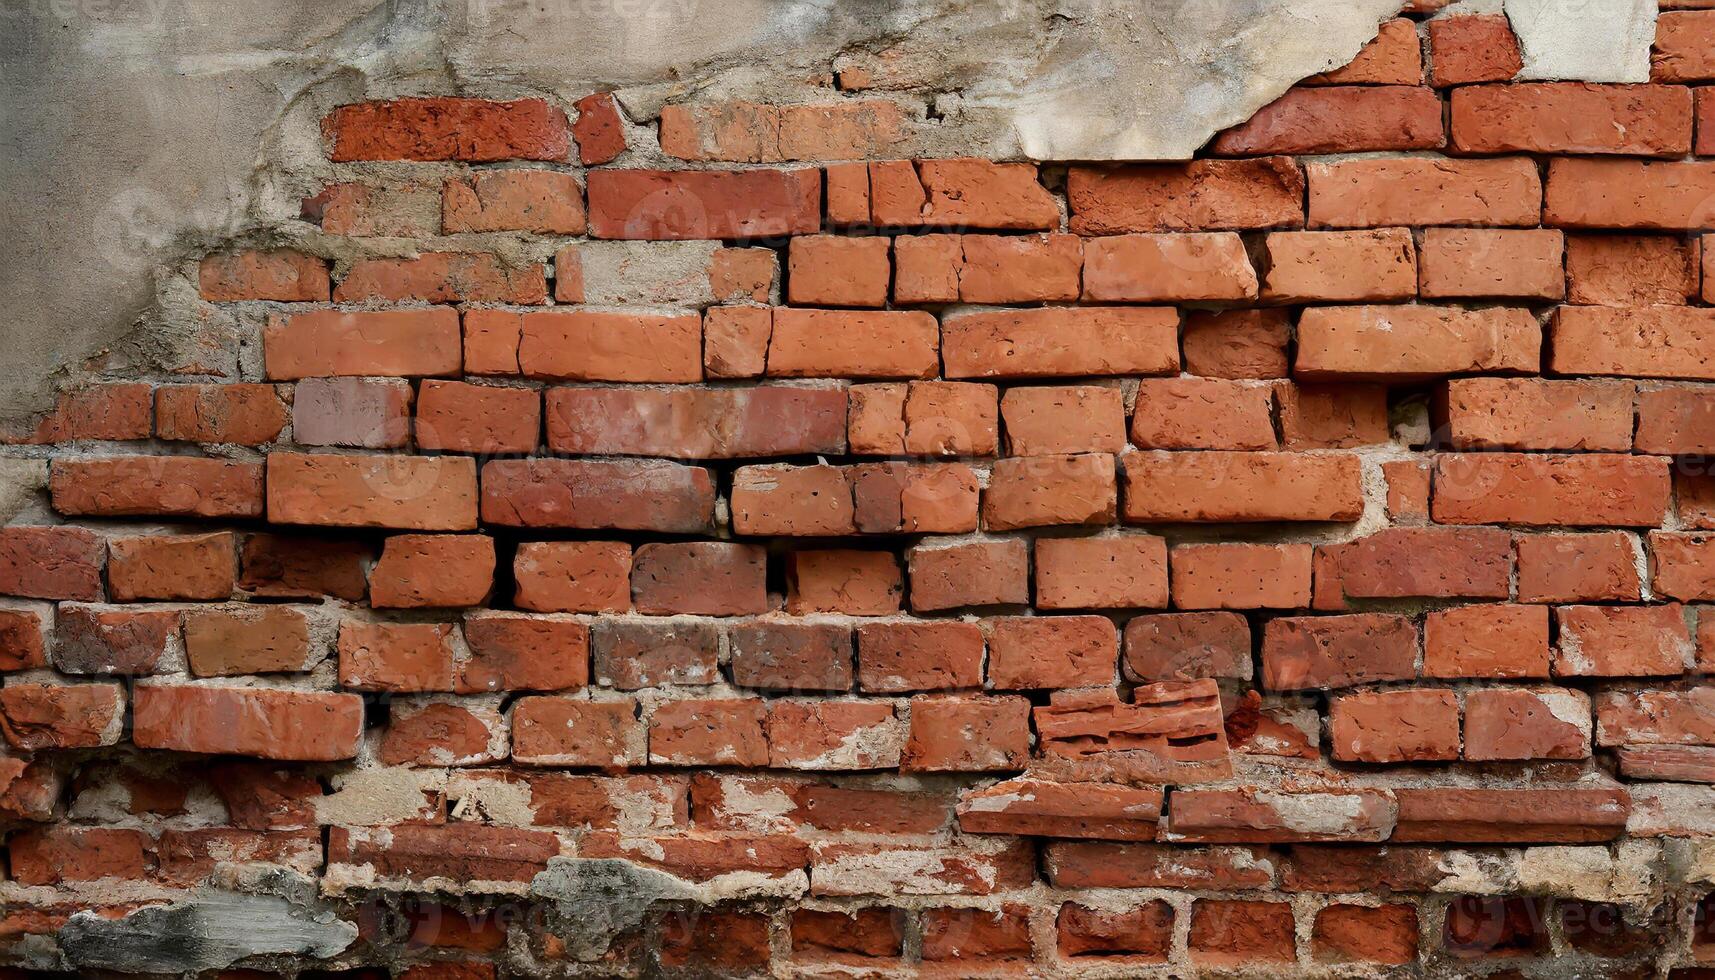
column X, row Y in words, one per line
column 156, row 486
column 804, row 501
column 833, row 736
column 1044, row 652
column 786, row 656
column 421, row 571
column 1492, row 263
column 308, row 726
column 561, row 731
column 178, row 566
column 1237, row 575
column 1418, row 725
column 240, row 414
column 1399, row 191
column 967, row 935
column 1101, row 573
column 1202, row 413
column 709, row 733
column 1195, row 196
column 572, row 576
column 857, row 583
column 967, row 734
column 634, row 654
column 978, row 573
column 387, row 343
column 518, row 651
column 1486, row 641
column 1147, row 268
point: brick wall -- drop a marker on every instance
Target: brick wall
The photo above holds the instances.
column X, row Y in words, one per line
column 1293, row 559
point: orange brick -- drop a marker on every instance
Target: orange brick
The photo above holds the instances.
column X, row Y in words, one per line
column 582, row 345
column 1331, row 416
column 1492, row 262
column 1598, row 567
column 242, row 414
column 1532, row 413
column 833, row 270
column 1497, row 641
column 1311, row 267
column 1168, row 268
column 793, row 500
column 1413, row 562
column 857, row 583
column 599, row 130
column 709, row 733
column 692, row 204
column 967, row 734
column 979, row 573
column 550, row 731
column 1235, row 486
column 1645, row 342
column 962, row 193
column 1241, row 576
column 684, row 422
column 1395, row 726
column 919, row 656
column 446, row 128
column 1041, row 652
column 950, row 418
column 308, row 726
column 1202, row 413
column 573, row 576
column 1675, row 419
column 156, row 486
column 1655, row 195
column 1407, row 490
column 1101, row 573
column 1472, row 48
column 1572, row 117
column 91, row 411
column 1513, row 488
column 1631, row 270
column 419, row 571
column 281, row 275
column 1680, row 565
column 1236, row 343
column 396, row 343
column 1622, row 641
column 442, row 277
column 1393, row 58
column 598, row 494
column 744, row 274
column 853, row 343
column 735, row 341
column 1036, row 491
column 1373, row 193
column 187, row 566
column 1682, row 51
column 1414, row 341
column 464, row 418
column 1196, row 196
column 1069, row 419
column 1058, row 341
column 542, row 201
column 428, row 493
column 1340, row 120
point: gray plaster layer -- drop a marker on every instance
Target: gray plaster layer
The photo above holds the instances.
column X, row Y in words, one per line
column 144, row 132
column 1586, row 40
column 209, row 931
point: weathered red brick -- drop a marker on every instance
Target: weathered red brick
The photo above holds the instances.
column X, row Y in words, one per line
column 1512, row 723
column 1595, row 567
column 697, row 423
column 568, row 732
column 1060, row 341
column 1146, row 268
column 960, row 192
column 598, row 494
column 179, row 566
column 1649, row 341
column 1486, row 641
column 1472, row 48
column 1622, row 641
column 1384, row 342
column 1572, row 117
column 51, row 562
column 1681, row 52
column 1241, row 932
column 1234, row 575
column 243, row 414
column 857, row 583
column 446, row 128
column 426, row 493
column 1101, row 573
column 1196, row 196
column 249, row 639
column 967, row 734
column 1374, row 193
column 1492, row 262
column 156, row 486
column 707, row 578
column 34, row 717
column 518, row 651
column 599, row 129
column 791, row 656
column 1234, row 486
column 978, row 573
column 1306, row 652
column 709, row 733
column 1631, row 270
column 838, row 270
column 1532, row 413
column 1340, row 120
column 429, row 570
column 541, row 201
column 1395, row 726
column 1514, row 488
column 853, row 343
column 1236, row 344
column 281, row 275
column 919, row 656
column 1549, row 814
column 1657, row 195
column 1202, row 413
column 442, row 277
column 686, row 204
column 271, row 724
column 91, row 411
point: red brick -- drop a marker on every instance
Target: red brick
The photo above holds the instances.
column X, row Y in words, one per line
column 1308, row 652
column 425, row 732
column 463, row 852
column 1472, row 48
column 446, row 128
column 281, row 275
column 697, row 423
column 848, row 193
column 1676, row 419
column 1682, row 47
column 1187, row 646
column 949, row 418
column 541, row 201
column 1631, row 270
column 1365, row 934
column 1548, row 814
column 793, row 500
column 156, row 486
column 1340, row 120
column 1202, row 413
column 977, row 573
column 686, row 204
column 1389, row 342
column 492, row 337
column 442, row 277
column 1374, row 193
column 242, row 414
column 853, row 343
column 1653, row 342
column 573, row 576
column 599, row 129
column 1340, row 266
column 1680, row 565
column 1695, row 499
column 1655, row 195
column 709, row 733
column 857, row 583
column 567, row 732
column 1035, row 807
column 1195, row 196
column 287, row 725
column 1345, row 869
column 463, row 418
column 56, row 855
column 833, row 735
column 1572, row 117
column 1251, row 814
column 1059, row 341
column 580, row 345
column 716, row 940
column 1532, row 413
column 1496, row 641
column 930, row 498
column 1512, row 723
column 51, row 562
column 1331, row 416
column 180, row 566
column 1041, row 652
column 397, row 656
column 967, row 935
column 429, row 570
column 296, row 566
column 960, row 192
column 1101, row 573
column 1598, row 567
column 376, row 342
column 967, row 734
column 1430, row 562
column 1237, row 933
column 1168, row 268
column 735, row 340
column 1656, row 717
column 835, row 270
column 790, row 656
column 367, row 413
column 704, row 578
column 1407, row 490
column 517, row 651
column 24, row 627
column 1393, row 58
column 424, row 493
column 1093, row 864
column 1232, row 486
column 1492, row 262
column 1142, row 934
column 1241, row 576
column 744, row 274
column 1069, row 419
column 1622, row 641
column 1513, row 488
column 1036, row 491
column 987, row 268
column 1236, row 344
column 90, row 411
column 1395, row 726
column 404, row 211
column 61, row 716
column 93, row 639
column 919, row 656
column 645, row 495
column 862, row 935
column 249, row 639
